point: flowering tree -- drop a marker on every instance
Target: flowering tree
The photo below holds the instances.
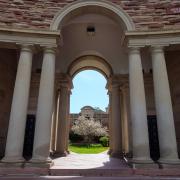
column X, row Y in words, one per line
column 88, row 128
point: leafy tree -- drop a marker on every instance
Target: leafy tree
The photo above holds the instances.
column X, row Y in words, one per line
column 88, row 128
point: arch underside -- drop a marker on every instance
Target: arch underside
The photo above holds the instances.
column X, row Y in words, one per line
column 100, row 6
column 90, row 62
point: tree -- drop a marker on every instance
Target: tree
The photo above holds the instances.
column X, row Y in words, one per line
column 88, row 128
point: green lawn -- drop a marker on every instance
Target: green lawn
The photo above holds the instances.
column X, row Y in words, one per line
column 93, row 149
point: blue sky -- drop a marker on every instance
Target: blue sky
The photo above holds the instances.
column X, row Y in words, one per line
column 89, row 89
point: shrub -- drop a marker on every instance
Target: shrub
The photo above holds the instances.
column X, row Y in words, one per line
column 75, row 138
column 104, row 141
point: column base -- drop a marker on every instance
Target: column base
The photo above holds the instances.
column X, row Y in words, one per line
column 40, row 162
column 117, row 154
column 109, row 151
column 169, row 163
column 143, row 163
column 13, row 160
column 60, row 154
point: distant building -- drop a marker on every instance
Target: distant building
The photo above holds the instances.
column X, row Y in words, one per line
column 90, row 112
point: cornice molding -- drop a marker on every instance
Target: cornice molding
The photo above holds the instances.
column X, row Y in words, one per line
column 16, row 37
column 152, row 38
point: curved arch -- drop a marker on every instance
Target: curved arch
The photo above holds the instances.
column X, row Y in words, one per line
column 90, row 62
column 98, row 3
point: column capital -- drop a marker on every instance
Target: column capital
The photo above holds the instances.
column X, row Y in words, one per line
column 115, row 87
column 65, row 85
column 134, row 50
column 49, row 49
column 27, row 47
column 124, row 87
column 157, row 49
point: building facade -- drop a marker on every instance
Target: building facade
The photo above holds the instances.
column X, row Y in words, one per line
column 134, row 44
column 89, row 112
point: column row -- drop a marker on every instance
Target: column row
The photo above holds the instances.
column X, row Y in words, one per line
column 166, row 130
column 17, row 122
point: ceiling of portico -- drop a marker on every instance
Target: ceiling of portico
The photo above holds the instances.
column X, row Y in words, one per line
column 106, row 42
column 83, row 11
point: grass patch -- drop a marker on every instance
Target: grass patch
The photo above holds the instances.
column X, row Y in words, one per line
column 83, row 149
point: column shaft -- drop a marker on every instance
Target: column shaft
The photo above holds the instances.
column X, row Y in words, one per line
column 110, row 123
column 165, row 119
column 116, row 123
column 68, row 123
column 62, row 123
column 138, row 108
column 54, row 122
column 45, row 107
column 125, row 124
column 17, row 122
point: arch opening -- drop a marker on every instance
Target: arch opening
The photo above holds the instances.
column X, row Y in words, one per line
column 90, row 62
column 89, row 115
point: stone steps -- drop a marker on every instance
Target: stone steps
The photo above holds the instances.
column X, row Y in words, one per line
column 116, row 172
column 92, row 172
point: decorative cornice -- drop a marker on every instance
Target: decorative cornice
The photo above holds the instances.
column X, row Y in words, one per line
column 152, row 38
column 51, row 33
column 64, row 80
column 28, row 36
column 117, row 81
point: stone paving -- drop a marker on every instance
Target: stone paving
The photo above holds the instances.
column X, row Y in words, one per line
column 88, row 161
column 92, row 167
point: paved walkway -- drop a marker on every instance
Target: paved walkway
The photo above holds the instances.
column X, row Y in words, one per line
column 92, row 163
column 88, row 161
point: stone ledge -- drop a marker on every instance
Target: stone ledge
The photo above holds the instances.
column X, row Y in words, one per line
column 10, row 171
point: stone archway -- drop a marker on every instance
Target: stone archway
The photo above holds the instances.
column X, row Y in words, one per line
column 66, row 12
column 90, row 61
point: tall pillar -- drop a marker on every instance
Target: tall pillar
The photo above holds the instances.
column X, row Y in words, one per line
column 110, row 123
column 116, row 122
column 165, row 119
column 17, row 122
column 54, row 122
column 44, row 110
column 68, row 123
column 141, row 152
column 62, row 121
column 124, row 118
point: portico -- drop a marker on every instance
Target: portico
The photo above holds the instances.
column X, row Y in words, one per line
column 48, row 60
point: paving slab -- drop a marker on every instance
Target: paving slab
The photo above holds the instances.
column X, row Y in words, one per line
column 88, row 161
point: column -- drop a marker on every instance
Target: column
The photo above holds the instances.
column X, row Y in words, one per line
column 62, row 122
column 54, row 122
column 116, row 123
column 140, row 137
column 110, row 123
column 165, row 119
column 44, row 110
column 125, row 124
column 17, row 122
column 68, row 123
